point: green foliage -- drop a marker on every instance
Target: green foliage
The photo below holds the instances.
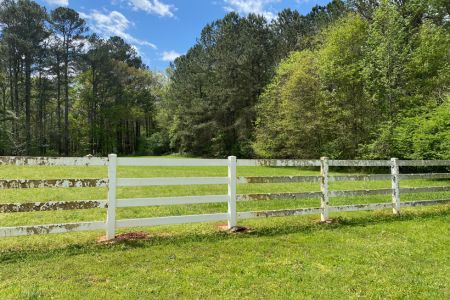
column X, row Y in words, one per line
column 351, row 114
column 349, row 79
column 429, row 67
column 66, row 98
column 309, row 108
column 382, row 80
column 386, row 53
column 292, row 110
column 421, row 130
column 425, row 136
column 157, row 144
column 23, row 32
column 431, row 138
column 215, row 86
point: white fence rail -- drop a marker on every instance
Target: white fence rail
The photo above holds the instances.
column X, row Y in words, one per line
column 112, row 182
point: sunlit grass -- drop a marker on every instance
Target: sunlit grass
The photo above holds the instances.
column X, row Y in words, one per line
column 360, row 255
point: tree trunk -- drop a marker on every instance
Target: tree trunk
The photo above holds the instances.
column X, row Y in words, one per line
column 17, row 106
column 28, row 104
column 58, row 104
column 92, row 112
column 66, row 101
column 41, row 115
column 11, row 97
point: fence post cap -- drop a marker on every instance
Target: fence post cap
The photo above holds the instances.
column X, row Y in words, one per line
column 324, row 158
column 232, row 158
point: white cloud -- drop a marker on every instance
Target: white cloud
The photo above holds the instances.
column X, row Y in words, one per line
column 113, row 23
column 153, row 7
column 58, row 2
column 259, row 7
column 170, row 55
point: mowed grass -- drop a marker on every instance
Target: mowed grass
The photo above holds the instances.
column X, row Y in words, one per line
column 359, row 255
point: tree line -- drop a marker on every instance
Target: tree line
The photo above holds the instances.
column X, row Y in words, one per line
column 65, row 92
column 351, row 79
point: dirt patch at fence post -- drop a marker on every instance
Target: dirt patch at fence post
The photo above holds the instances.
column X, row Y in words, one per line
column 129, row 236
column 235, row 229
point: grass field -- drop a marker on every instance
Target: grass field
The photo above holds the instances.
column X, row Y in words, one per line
column 359, row 255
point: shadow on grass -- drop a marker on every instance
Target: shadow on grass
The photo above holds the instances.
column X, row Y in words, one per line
column 295, row 225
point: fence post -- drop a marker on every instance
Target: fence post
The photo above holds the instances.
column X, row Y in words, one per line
column 395, row 171
column 232, row 215
column 324, row 188
column 112, row 187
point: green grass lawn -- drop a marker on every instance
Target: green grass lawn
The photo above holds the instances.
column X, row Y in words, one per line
column 359, row 255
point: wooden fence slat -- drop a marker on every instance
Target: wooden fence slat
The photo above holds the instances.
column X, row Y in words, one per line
column 278, row 196
column 279, row 213
column 103, row 161
column 376, row 206
column 171, row 181
column 371, row 177
column 359, row 163
column 52, row 183
column 424, row 163
column 170, row 162
column 136, row 202
column 277, row 179
column 359, row 207
column 51, row 205
column 425, row 189
column 425, row 202
column 53, row 161
column 278, row 163
column 354, row 193
column 171, row 220
column 425, row 176
column 51, row 228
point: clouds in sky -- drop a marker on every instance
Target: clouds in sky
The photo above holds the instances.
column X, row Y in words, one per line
column 260, row 7
column 110, row 23
column 113, row 23
column 153, row 7
column 58, row 2
column 170, row 55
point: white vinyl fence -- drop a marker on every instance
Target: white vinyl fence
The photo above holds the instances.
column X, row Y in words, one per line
column 232, row 216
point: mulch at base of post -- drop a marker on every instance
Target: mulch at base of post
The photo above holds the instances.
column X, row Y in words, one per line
column 330, row 221
column 129, row 236
column 235, row 229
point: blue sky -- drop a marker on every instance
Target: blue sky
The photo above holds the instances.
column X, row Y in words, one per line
column 163, row 29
